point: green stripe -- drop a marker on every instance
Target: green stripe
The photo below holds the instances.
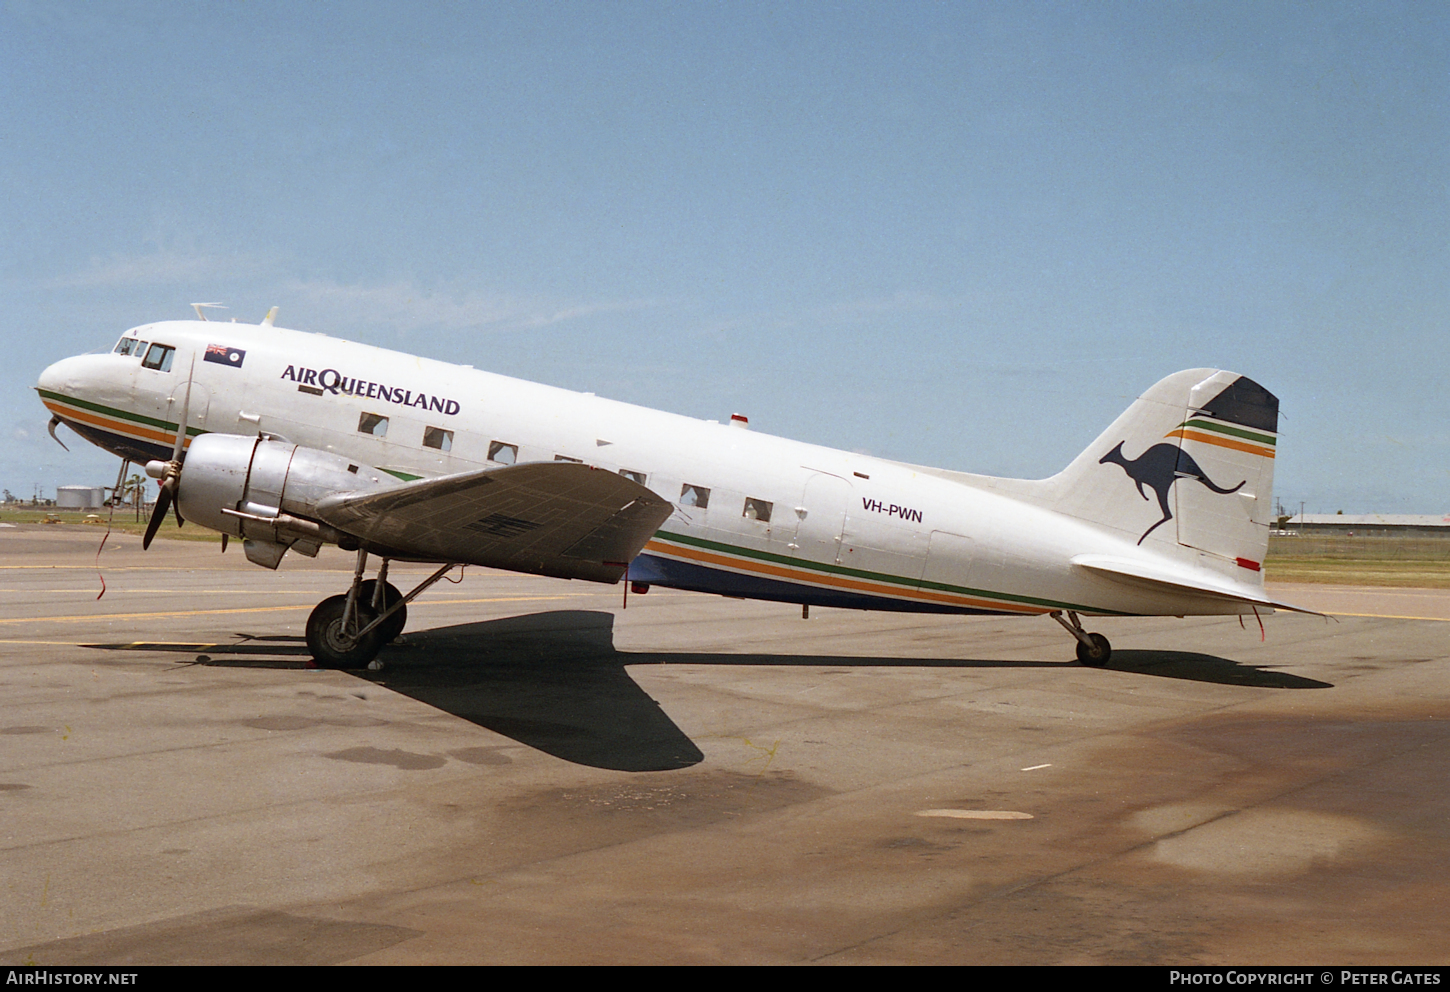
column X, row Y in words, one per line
column 1209, row 425
column 165, row 425
column 858, row 573
column 135, row 418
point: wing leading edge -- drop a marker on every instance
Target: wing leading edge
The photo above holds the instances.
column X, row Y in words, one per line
column 560, row 519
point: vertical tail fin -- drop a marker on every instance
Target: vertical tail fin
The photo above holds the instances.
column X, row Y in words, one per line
column 1190, row 465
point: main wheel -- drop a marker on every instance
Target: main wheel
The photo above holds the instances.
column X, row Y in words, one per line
column 1096, row 656
column 390, row 628
column 329, row 646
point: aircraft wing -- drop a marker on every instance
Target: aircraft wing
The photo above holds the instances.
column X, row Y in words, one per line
column 1164, row 579
column 561, row 519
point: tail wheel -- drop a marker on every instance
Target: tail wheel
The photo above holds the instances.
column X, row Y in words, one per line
column 1096, row 656
column 331, row 647
column 390, row 628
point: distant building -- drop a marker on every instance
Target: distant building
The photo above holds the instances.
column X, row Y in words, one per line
column 1367, row 524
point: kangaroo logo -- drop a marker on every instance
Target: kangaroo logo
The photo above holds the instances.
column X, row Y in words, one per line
column 1158, row 468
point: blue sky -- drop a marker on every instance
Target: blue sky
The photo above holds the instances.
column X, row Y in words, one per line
column 957, row 234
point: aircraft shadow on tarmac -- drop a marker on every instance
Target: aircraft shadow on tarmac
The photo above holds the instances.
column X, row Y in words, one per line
column 555, row 682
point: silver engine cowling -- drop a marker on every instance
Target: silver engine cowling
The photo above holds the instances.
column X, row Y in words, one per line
column 264, row 490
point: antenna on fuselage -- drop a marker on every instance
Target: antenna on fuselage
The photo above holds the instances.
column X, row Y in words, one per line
column 200, row 314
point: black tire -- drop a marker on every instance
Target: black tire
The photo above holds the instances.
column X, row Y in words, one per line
column 1096, row 656
column 389, row 630
column 324, row 636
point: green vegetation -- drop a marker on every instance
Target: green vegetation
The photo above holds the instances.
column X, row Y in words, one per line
column 123, row 521
column 1422, row 562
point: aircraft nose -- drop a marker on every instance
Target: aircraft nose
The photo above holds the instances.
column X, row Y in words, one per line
column 77, row 374
column 88, row 377
column 53, row 379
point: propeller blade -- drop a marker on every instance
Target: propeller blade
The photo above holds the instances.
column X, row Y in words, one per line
column 171, row 480
column 163, row 503
column 185, row 411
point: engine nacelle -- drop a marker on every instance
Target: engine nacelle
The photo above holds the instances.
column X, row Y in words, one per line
column 263, row 489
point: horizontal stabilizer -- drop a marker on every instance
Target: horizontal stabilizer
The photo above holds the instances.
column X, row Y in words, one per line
column 1164, row 578
column 554, row 518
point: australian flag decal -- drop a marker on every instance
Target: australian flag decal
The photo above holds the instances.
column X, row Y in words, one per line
column 223, row 355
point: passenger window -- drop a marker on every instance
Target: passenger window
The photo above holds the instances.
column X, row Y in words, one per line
column 374, row 424
column 757, row 509
column 159, row 358
column 437, row 437
column 694, row 496
column 633, row 476
column 504, row 454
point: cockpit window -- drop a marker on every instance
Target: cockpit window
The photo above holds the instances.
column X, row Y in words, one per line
column 130, row 346
column 159, row 358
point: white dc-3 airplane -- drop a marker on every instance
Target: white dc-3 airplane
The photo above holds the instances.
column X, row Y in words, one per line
column 293, row 440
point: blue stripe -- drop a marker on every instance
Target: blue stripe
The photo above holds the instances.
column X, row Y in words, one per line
column 119, row 444
column 673, row 574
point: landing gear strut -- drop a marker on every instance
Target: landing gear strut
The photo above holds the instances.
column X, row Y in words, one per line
column 381, row 596
column 1093, row 650
column 349, row 631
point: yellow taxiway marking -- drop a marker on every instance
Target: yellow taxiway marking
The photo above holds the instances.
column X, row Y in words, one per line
column 159, row 568
column 198, row 645
column 108, row 567
column 60, row 644
column 80, row 618
column 976, row 814
column 89, row 591
column 150, row 616
column 437, row 597
column 1389, row 616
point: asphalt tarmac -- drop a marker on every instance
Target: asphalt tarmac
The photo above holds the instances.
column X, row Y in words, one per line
column 540, row 776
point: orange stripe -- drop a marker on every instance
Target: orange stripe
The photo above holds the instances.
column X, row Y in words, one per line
column 835, row 580
column 111, row 424
column 1222, row 442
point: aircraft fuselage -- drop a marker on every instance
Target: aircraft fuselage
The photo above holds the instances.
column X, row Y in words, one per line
column 755, row 516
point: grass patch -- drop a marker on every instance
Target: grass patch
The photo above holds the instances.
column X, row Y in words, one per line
column 123, row 521
column 1421, row 562
column 1422, row 575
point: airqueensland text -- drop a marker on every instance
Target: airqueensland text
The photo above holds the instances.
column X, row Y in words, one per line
column 333, row 381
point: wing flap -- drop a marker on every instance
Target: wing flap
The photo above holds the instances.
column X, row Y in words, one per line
column 559, row 519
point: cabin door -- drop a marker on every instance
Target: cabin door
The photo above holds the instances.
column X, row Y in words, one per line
column 821, row 519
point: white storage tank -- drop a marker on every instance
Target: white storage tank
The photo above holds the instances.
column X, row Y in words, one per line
column 80, row 497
